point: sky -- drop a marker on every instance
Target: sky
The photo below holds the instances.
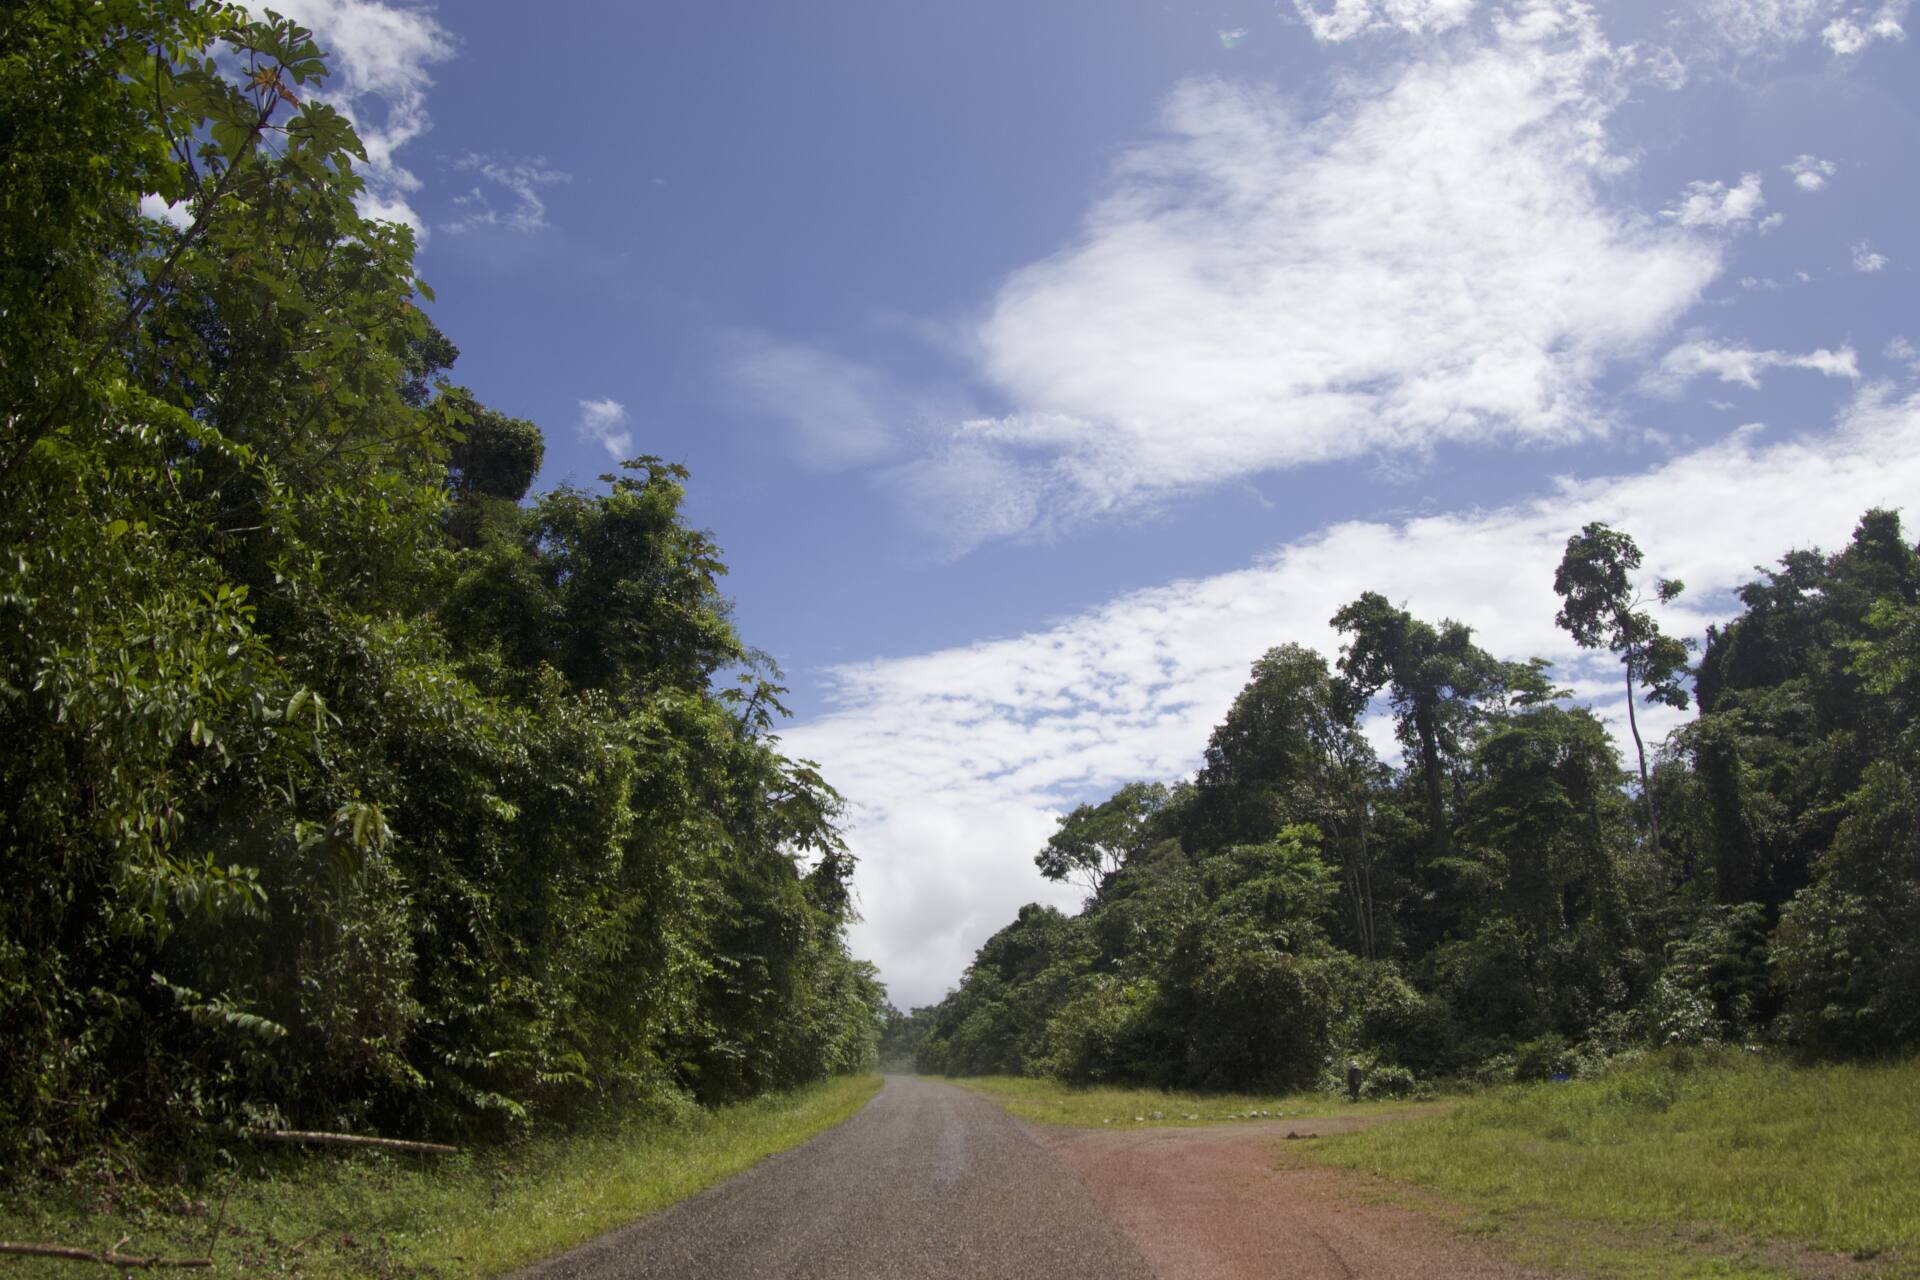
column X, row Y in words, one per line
column 1040, row 365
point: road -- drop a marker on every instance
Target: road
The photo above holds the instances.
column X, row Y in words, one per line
column 926, row 1181
column 932, row 1181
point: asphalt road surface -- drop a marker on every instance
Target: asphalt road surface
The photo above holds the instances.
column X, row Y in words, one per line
column 927, row 1181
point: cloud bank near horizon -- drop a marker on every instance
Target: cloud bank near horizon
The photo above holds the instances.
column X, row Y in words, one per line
column 957, row 762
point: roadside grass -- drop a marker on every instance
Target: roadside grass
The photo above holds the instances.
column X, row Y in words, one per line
column 1095, row 1106
column 374, row 1214
column 1687, row 1153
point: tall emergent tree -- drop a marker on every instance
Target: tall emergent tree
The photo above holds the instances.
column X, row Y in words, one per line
column 1602, row 610
column 1437, row 675
column 1094, row 841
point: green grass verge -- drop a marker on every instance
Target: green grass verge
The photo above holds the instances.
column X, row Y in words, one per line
column 326, row 1214
column 1719, row 1160
column 1096, row 1106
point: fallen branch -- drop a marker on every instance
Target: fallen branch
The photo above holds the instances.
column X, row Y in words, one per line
column 352, row 1140
column 108, row 1257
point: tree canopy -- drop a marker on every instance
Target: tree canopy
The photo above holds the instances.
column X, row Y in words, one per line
column 1498, row 904
column 342, row 781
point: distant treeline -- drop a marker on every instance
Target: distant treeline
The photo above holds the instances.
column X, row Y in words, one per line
column 1509, row 900
column 340, row 786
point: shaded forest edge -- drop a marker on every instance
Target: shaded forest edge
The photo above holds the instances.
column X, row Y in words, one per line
column 343, row 785
column 483, row 1212
column 1513, row 901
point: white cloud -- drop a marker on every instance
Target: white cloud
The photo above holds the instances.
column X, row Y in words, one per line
column 1702, row 358
column 1768, row 28
column 1759, row 27
column 1263, row 288
column 1333, row 21
column 1810, row 173
column 1717, row 207
column 956, row 761
column 1865, row 259
column 378, row 55
column 522, row 179
column 967, row 492
column 841, row 413
column 1904, row 352
column 176, row 215
column 1860, row 27
column 605, row 421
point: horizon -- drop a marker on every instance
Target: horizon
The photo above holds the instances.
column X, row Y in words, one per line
column 1040, row 370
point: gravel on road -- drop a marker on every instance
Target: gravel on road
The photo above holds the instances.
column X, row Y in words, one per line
column 926, row 1181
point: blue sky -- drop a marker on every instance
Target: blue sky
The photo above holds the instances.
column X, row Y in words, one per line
column 1039, row 365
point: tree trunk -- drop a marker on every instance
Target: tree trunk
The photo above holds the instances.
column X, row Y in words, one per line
column 1646, row 784
column 1430, row 764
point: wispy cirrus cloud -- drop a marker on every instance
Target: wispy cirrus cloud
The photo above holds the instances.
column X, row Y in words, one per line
column 520, row 179
column 957, row 761
column 605, row 423
column 839, row 412
column 1704, row 358
column 1333, row 21
column 1766, row 29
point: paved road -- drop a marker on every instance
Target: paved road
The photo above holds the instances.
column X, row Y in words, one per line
column 927, row 1181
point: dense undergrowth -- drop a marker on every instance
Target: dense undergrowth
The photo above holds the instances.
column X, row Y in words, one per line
column 475, row 1214
column 345, row 783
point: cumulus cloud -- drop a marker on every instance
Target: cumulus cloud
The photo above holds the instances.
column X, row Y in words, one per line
column 957, row 761
column 841, row 413
column 1267, row 288
column 1704, row 358
column 176, row 215
column 1342, row 20
column 378, row 55
column 605, row 421
column 1810, row 173
column 520, row 179
column 1717, row 207
column 1865, row 259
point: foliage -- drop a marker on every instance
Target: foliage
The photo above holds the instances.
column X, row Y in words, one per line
column 1492, row 909
column 1601, row 609
column 1094, row 841
column 340, row 787
column 479, row 1213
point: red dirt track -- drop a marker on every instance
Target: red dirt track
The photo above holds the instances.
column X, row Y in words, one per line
column 1222, row 1203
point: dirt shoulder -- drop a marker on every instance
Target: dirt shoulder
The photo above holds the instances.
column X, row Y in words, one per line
column 1235, row 1202
column 1226, row 1203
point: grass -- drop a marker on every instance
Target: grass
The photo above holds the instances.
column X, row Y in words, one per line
column 1744, row 1157
column 326, row 1214
column 1093, row 1106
